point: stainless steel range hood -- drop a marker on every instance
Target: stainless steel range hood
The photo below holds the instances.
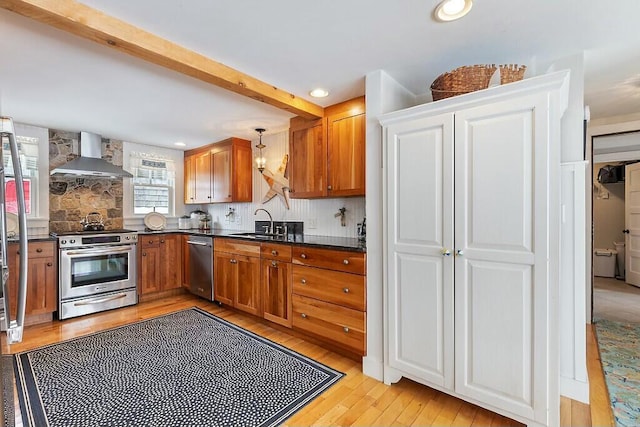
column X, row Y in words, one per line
column 90, row 161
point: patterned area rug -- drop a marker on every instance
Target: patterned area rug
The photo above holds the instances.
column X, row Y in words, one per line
column 620, row 354
column 188, row 368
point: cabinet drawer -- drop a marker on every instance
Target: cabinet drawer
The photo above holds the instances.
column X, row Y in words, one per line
column 343, row 326
column 149, row 240
column 351, row 262
column 332, row 286
column 237, row 246
column 41, row 249
column 276, row 252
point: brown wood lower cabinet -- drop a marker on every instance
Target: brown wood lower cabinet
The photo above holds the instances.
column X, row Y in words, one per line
column 161, row 262
column 276, row 283
column 236, row 266
column 329, row 296
column 42, row 278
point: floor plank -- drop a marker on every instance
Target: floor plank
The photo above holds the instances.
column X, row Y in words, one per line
column 355, row 400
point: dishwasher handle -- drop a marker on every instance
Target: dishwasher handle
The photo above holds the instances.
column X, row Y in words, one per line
column 191, row 242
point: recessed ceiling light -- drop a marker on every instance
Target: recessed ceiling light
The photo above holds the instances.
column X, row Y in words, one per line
column 180, row 144
column 450, row 10
column 319, row 93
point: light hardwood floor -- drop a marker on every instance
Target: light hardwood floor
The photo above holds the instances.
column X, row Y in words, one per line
column 356, row 399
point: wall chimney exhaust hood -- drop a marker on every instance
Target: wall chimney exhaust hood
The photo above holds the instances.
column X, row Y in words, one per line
column 90, row 161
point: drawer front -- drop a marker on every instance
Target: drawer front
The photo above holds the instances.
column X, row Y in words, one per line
column 150, row 240
column 237, row 246
column 343, row 326
column 336, row 287
column 276, row 252
column 41, row 249
column 350, row 262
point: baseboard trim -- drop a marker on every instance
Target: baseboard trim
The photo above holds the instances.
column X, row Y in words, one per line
column 373, row 368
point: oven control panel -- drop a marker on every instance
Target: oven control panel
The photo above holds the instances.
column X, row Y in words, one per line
column 95, row 239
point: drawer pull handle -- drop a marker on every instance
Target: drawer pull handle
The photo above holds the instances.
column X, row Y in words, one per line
column 345, row 290
column 274, row 252
column 274, row 264
column 39, row 250
column 303, row 281
column 345, row 329
column 345, row 262
column 49, row 264
column 303, row 256
column 304, row 316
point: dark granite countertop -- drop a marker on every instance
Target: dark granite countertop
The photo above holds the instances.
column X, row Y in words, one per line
column 34, row 238
column 328, row 242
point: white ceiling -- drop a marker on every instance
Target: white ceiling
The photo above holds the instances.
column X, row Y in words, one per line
column 54, row 79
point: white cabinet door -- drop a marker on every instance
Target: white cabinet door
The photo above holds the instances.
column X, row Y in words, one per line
column 420, row 227
column 501, row 275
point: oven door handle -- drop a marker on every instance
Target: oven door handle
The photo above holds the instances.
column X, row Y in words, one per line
column 101, row 300
column 93, row 251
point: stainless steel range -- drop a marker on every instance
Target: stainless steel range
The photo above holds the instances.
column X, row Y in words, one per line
column 97, row 271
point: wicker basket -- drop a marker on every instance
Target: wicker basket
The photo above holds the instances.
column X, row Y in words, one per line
column 473, row 77
column 462, row 80
column 511, row 73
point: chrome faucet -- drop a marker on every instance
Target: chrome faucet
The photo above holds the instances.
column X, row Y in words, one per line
column 270, row 230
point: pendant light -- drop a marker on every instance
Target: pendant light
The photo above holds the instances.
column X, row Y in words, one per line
column 260, row 160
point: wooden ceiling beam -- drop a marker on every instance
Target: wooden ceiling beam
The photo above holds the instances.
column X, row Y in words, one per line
column 83, row 21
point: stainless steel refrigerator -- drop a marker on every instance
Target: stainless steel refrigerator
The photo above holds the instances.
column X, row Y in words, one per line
column 13, row 327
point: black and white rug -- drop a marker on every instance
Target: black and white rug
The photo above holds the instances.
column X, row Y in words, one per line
column 188, row 368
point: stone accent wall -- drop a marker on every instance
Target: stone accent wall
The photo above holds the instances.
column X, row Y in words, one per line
column 72, row 198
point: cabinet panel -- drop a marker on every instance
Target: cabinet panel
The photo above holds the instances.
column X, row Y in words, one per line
column 351, row 262
column 202, row 178
column 224, row 277
column 221, row 175
column 336, row 287
column 189, row 179
column 247, row 284
column 346, row 154
column 42, row 278
column 343, row 326
column 150, row 270
column 171, row 261
column 276, row 291
column 307, row 159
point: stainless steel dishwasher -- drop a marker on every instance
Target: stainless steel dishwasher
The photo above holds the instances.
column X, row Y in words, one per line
column 201, row 266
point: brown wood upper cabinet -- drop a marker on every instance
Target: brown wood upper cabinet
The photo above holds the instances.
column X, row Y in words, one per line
column 219, row 172
column 327, row 156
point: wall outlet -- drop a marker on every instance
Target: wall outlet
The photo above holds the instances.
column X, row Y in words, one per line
column 311, row 223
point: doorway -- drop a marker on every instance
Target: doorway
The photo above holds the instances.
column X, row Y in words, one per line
column 613, row 298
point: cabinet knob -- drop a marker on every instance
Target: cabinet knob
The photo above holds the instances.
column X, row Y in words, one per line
column 329, row 188
column 150, row 242
column 233, row 261
column 345, row 262
column 445, row 252
column 144, row 254
column 459, row 253
column 39, row 250
column 274, row 252
column 304, row 316
column 161, row 241
column 49, row 264
column 208, row 197
column 303, row 256
column 345, row 329
column 345, row 290
column 303, row 281
column 18, row 252
column 274, row 264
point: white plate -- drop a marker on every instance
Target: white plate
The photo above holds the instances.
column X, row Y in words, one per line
column 155, row 221
column 12, row 224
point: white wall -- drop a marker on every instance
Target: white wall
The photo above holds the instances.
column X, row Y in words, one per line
column 311, row 211
column 383, row 95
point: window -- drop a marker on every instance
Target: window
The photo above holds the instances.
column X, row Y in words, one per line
column 28, row 153
column 153, row 183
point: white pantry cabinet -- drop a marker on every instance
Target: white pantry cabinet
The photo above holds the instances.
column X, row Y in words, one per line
column 472, row 245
